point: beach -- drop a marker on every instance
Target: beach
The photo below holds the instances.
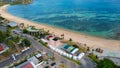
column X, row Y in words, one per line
column 91, row 41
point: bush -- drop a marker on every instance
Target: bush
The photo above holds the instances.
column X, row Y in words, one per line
column 106, row 63
column 2, row 37
column 26, row 43
column 25, row 31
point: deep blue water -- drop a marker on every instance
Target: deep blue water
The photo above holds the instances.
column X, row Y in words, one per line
column 94, row 17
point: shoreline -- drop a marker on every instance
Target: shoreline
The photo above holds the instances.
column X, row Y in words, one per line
column 91, row 41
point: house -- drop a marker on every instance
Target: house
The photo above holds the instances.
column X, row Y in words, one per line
column 12, row 24
column 26, row 65
column 30, row 63
column 3, row 48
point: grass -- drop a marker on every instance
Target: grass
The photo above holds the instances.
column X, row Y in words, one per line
column 62, row 66
column 6, row 53
column 77, row 62
column 44, row 44
column 93, row 57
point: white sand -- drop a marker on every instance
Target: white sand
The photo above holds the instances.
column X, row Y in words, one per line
column 77, row 37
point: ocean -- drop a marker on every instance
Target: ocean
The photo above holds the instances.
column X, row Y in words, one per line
column 99, row 18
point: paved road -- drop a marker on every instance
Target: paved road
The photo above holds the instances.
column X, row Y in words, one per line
column 10, row 60
column 85, row 62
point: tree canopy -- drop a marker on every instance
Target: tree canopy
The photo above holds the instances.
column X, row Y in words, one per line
column 2, row 36
column 26, row 43
column 106, row 63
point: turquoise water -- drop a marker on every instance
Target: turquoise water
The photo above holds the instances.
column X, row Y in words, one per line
column 94, row 17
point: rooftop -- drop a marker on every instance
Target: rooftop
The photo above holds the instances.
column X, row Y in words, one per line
column 1, row 48
column 32, row 29
column 69, row 49
column 12, row 24
column 27, row 65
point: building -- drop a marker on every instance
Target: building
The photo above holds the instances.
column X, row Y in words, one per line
column 32, row 31
column 69, row 49
column 3, row 48
column 30, row 63
column 12, row 24
column 26, row 65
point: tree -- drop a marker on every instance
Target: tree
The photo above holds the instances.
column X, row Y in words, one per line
column 88, row 48
column 21, row 25
column 25, row 31
column 26, row 43
column 2, row 37
column 70, row 39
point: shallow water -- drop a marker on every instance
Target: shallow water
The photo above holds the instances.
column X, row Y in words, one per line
column 97, row 17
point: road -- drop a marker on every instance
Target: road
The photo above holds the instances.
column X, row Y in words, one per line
column 10, row 60
column 85, row 62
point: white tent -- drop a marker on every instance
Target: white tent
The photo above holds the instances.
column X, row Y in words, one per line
column 70, row 55
column 81, row 55
column 43, row 40
column 61, row 52
column 75, row 57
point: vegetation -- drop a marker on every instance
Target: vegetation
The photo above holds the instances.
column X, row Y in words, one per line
column 26, row 43
column 45, row 44
column 62, row 66
column 93, row 57
column 106, row 63
column 6, row 53
column 2, row 36
column 70, row 39
column 25, row 31
column 77, row 62
column 3, row 2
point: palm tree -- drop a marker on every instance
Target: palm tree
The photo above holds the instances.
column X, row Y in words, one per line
column 62, row 36
column 21, row 25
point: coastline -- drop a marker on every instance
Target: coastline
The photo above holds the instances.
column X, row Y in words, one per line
column 91, row 41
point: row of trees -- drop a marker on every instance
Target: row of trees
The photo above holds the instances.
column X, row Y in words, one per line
column 2, row 36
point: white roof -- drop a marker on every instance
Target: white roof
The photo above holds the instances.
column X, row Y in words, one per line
column 81, row 55
column 32, row 30
column 12, row 24
column 38, row 55
column 34, row 60
column 75, row 50
column 43, row 40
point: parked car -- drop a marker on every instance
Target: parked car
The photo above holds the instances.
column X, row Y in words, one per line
column 53, row 64
column 46, row 67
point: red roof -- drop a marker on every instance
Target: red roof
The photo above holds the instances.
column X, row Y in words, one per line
column 1, row 48
column 50, row 36
column 28, row 65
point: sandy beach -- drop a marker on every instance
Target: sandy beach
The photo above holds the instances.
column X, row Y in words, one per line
column 77, row 37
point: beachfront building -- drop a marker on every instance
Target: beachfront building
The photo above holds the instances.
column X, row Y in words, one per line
column 63, row 49
column 12, row 24
column 33, row 31
column 69, row 49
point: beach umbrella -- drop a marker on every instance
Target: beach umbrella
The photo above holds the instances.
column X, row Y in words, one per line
column 64, row 53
